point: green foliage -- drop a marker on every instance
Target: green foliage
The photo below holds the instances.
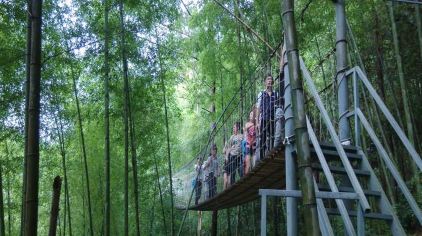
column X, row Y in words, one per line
column 198, row 51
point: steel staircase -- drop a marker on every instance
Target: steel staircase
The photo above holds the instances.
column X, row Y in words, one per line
column 381, row 208
column 345, row 183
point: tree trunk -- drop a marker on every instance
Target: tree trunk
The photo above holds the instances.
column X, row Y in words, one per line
column 419, row 27
column 27, row 88
column 107, row 204
column 33, row 124
column 161, row 195
column 409, row 124
column 66, row 185
column 134, row 166
column 238, row 221
column 301, row 134
column 214, row 223
column 152, row 217
column 324, row 78
column 403, row 88
column 2, row 225
column 9, row 201
column 9, row 208
column 378, row 45
column 163, row 87
column 380, row 80
column 199, row 228
column 125, row 119
column 276, row 217
column 254, row 218
column 229, row 228
column 84, row 156
column 55, row 206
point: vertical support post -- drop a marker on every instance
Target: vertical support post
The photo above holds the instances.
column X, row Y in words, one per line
column 291, row 178
column 299, row 116
column 360, row 214
column 263, row 215
column 341, row 79
column 356, row 102
column 360, row 220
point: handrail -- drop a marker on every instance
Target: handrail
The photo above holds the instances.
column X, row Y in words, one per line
column 346, row 163
column 394, row 172
column 389, row 117
column 220, row 118
column 330, row 179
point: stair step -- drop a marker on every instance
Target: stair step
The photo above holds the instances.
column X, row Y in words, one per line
column 378, row 216
column 331, row 146
column 341, row 170
column 333, row 154
column 350, row 189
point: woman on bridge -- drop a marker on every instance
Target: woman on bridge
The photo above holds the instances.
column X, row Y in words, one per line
column 250, row 139
column 211, row 171
column 198, row 180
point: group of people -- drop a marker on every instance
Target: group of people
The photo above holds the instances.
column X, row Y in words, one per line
column 263, row 131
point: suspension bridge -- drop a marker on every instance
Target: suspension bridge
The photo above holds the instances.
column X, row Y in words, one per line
column 344, row 183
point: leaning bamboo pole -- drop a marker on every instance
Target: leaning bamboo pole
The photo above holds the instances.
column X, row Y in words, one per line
column 301, row 134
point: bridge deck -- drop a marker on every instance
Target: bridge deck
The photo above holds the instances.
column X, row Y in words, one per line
column 268, row 173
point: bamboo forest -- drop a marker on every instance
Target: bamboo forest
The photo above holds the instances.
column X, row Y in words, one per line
column 210, row 117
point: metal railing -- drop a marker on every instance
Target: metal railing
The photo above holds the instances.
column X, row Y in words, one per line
column 360, row 119
column 335, row 139
column 239, row 150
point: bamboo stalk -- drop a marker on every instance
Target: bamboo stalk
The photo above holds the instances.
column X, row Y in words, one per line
column 32, row 154
column 107, row 203
column 301, row 134
column 55, row 206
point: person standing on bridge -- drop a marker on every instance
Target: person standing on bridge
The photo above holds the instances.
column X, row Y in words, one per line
column 250, row 139
column 265, row 116
column 279, row 112
column 198, row 180
column 211, row 171
column 233, row 153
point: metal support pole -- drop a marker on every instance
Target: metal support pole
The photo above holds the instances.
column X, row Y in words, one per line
column 341, row 79
column 291, row 178
column 263, row 215
column 360, row 221
column 356, row 102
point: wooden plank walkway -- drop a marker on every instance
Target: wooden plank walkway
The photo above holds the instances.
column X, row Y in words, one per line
column 268, row 174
